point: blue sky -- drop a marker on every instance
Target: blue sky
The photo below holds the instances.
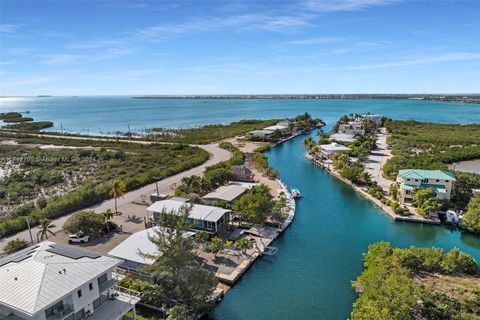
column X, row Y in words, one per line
column 232, row 47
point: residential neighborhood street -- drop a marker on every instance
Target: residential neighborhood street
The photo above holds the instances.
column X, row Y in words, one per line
column 375, row 161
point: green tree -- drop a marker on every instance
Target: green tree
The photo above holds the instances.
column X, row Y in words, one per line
column 13, row 246
column 471, row 219
column 393, row 191
column 108, row 215
column 87, row 222
column 117, row 190
column 201, row 237
column 216, row 246
column 178, row 312
column 176, row 263
column 462, row 188
column 243, row 245
column 256, row 204
column 45, row 226
column 218, row 177
column 424, row 199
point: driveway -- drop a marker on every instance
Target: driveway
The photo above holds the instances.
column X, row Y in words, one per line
column 375, row 161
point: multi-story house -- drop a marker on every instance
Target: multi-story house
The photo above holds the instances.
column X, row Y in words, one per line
column 49, row 281
column 438, row 180
column 352, row 127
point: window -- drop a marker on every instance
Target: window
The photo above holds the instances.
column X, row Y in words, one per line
column 446, row 180
column 438, row 180
column 79, row 292
column 90, row 286
column 416, row 180
column 102, row 279
column 408, row 179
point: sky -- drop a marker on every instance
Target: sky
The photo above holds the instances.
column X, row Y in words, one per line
column 128, row 47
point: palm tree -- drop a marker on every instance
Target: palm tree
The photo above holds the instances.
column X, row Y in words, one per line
column 243, row 244
column 45, row 226
column 107, row 215
column 118, row 190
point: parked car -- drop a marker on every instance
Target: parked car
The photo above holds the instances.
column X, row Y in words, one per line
column 78, row 238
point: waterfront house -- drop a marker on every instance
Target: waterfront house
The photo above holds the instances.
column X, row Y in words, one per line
column 352, row 127
column 50, row 281
column 409, row 179
column 343, row 137
column 328, row 150
column 129, row 251
column 227, row 193
column 263, row 134
column 242, row 173
column 377, row 118
column 213, row 220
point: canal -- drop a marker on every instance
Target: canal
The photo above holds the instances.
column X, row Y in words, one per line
column 321, row 253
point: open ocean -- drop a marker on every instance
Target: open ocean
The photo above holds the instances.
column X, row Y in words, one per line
column 109, row 114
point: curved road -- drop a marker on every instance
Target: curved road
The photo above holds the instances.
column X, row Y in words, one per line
column 165, row 186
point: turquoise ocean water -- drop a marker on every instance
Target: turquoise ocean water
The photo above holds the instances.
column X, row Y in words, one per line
column 321, row 253
column 110, row 114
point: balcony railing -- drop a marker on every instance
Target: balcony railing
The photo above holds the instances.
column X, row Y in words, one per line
column 61, row 313
column 107, row 284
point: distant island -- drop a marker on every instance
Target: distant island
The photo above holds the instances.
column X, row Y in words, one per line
column 462, row 98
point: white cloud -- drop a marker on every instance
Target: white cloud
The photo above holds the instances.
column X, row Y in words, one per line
column 63, row 58
column 345, row 5
column 8, row 28
column 244, row 22
column 447, row 57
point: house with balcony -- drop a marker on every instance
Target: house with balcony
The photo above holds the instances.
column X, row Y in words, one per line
column 327, row 151
column 352, row 127
column 376, row 118
column 409, row 179
column 49, row 281
column 214, row 220
column 138, row 251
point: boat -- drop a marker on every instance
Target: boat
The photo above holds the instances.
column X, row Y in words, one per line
column 452, row 217
column 296, row 193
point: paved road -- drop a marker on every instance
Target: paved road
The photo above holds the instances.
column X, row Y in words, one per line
column 165, row 186
column 376, row 160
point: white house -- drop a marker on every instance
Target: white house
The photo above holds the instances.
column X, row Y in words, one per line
column 262, row 134
column 49, row 281
column 328, row 150
column 343, row 137
column 206, row 218
column 377, row 118
column 352, row 127
column 129, row 250
column 227, row 193
column 410, row 179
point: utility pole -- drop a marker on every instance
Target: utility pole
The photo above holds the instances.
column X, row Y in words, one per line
column 29, row 230
column 156, row 184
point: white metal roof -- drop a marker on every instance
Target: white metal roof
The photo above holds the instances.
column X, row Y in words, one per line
column 344, row 137
column 44, row 277
column 276, row 127
column 227, row 193
column 139, row 241
column 334, row 147
column 198, row 211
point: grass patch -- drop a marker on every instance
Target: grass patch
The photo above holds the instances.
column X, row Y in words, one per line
column 209, row 133
column 425, row 145
column 72, row 179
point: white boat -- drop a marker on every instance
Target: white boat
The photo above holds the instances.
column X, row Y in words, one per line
column 452, row 217
column 296, row 193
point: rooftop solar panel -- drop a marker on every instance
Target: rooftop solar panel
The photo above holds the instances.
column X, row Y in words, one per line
column 72, row 252
column 18, row 256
